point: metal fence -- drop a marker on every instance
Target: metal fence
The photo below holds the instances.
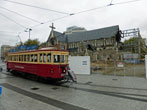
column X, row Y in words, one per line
column 119, row 68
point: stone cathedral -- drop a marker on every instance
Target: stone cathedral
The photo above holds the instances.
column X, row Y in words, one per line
column 99, row 44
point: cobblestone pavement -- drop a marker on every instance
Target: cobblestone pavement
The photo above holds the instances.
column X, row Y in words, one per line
column 93, row 92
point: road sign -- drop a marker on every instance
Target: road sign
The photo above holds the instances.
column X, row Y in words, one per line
column 0, row 90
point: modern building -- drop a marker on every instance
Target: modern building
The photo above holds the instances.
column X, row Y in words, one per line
column 4, row 51
column 74, row 29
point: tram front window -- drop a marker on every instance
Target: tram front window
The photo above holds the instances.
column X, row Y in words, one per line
column 59, row 58
column 62, row 58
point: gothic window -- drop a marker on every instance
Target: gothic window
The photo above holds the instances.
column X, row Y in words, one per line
column 52, row 41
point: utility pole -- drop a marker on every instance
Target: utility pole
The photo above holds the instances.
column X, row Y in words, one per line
column 139, row 46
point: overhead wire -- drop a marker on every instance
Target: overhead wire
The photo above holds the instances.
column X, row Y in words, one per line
column 126, row 2
column 68, row 14
column 90, row 10
column 12, row 20
column 36, row 7
column 110, row 4
column 50, row 21
column 71, row 14
column 20, row 14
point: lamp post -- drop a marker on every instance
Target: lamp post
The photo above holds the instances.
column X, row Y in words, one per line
column 29, row 30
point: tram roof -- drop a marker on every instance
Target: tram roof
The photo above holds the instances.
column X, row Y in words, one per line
column 38, row 50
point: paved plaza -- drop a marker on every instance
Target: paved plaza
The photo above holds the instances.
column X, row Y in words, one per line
column 92, row 92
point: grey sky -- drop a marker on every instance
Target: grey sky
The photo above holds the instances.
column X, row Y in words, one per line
column 131, row 15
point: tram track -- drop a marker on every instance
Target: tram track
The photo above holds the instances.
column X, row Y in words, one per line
column 130, row 96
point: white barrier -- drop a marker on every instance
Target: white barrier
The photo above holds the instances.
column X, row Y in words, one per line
column 80, row 64
column 146, row 65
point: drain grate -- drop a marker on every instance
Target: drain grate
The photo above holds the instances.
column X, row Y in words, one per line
column 88, row 82
column 55, row 88
column 34, row 88
column 115, row 79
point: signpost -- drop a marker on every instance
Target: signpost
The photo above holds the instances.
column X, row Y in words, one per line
column 146, row 65
column 0, row 90
column 80, row 64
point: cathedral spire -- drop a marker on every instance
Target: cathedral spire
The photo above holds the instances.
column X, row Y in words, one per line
column 52, row 26
column 52, row 40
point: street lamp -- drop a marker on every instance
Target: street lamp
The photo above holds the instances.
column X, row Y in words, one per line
column 28, row 30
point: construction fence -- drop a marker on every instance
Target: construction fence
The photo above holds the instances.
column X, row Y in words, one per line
column 125, row 67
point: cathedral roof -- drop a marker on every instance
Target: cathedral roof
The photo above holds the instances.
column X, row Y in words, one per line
column 106, row 32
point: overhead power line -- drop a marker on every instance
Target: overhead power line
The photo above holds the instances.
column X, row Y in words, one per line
column 36, row 7
column 50, row 21
column 12, row 20
column 71, row 14
column 126, row 2
column 20, row 14
column 92, row 9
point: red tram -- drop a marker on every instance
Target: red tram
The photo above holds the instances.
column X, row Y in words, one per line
column 42, row 63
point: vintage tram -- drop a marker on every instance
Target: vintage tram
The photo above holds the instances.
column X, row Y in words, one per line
column 42, row 63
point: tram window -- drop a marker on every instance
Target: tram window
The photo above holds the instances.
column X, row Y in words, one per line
column 22, row 58
column 11, row 58
column 48, row 57
column 66, row 58
column 62, row 58
column 35, row 57
column 44, row 57
column 25, row 58
column 56, row 58
column 32, row 58
column 28, row 58
column 41, row 57
column 14, row 58
column 19, row 58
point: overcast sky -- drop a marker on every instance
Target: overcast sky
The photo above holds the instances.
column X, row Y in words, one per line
column 127, row 16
